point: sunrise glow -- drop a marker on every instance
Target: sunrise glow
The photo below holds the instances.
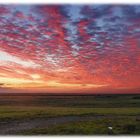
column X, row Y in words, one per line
column 70, row 48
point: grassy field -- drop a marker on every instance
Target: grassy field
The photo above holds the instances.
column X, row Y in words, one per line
column 119, row 126
column 120, row 112
column 13, row 113
column 73, row 101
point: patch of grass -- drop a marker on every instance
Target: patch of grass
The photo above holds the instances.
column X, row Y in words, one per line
column 18, row 108
column 7, row 113
column 95, row 101
column 121, row 126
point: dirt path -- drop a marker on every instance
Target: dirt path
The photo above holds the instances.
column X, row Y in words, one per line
column 17, row 126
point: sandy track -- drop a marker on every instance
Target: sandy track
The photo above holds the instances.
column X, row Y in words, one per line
column 17, row 126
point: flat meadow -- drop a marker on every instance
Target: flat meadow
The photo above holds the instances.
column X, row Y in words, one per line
column 70, row 115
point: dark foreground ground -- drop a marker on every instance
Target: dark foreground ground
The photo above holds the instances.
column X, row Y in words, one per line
column 70, row 115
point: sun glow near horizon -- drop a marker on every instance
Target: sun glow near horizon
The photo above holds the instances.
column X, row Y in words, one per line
column 70, row 48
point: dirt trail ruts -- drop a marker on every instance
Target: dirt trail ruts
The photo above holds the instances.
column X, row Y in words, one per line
column 14, row 127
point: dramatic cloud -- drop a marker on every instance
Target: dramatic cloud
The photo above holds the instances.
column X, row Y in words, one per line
column 70, row 48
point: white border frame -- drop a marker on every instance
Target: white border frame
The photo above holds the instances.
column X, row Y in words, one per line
column 69, row 2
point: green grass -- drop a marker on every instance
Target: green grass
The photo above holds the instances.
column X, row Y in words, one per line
column 13, row 113
column 120, row 112
column 121, row 126
column 95, row 101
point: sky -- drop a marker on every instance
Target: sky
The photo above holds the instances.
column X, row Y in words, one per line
column 70, row 48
